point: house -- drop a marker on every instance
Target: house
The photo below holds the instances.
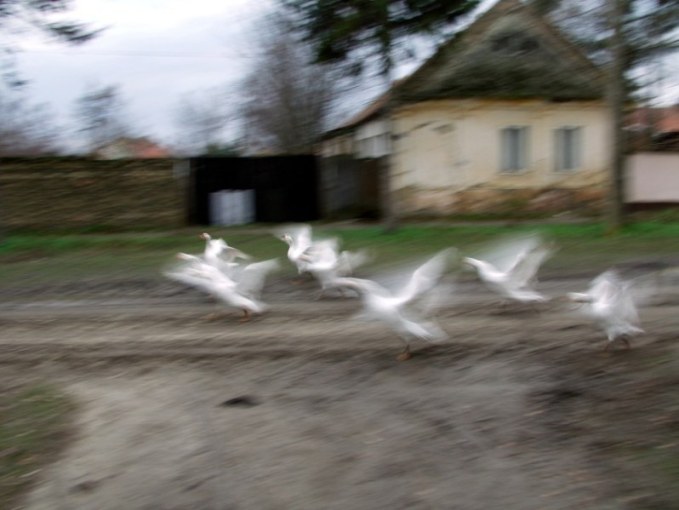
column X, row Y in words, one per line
column 131, row 148
column 507, row 116
column 653, row 129
column 653, row 165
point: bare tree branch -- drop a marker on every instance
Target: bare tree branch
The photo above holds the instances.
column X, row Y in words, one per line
column 287, row 98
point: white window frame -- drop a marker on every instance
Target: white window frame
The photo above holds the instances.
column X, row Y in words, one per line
column 514, row 149
column 568, row 142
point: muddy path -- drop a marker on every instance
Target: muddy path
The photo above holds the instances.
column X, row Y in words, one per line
column 305, row 407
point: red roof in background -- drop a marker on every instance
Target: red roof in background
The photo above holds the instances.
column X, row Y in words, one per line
column 147, row 149
column 127, row 147
column 663, row 120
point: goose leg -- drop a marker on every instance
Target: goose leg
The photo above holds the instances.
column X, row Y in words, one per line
column 405, row 355
column 624, row 340
column 214, row 316
column 246, row 315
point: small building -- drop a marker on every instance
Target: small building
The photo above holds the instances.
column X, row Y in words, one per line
column 508, row 116
column 653, row 163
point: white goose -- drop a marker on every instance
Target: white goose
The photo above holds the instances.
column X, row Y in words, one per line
column 298, row 238
column 241, row 289
column 392, row 307
column 219, row 254
column 609, row 301
column 513, row 275
column 326, row 263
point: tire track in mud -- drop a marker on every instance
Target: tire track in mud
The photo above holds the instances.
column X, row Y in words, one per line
column 144, row 330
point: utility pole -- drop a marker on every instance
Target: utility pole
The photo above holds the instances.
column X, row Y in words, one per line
column 616, row 100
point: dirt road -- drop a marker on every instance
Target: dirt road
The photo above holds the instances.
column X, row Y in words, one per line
column 305, row 408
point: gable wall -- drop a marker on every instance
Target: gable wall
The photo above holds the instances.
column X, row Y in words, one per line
column 449, row 150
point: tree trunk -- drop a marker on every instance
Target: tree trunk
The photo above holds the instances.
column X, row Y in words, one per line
column 616, row 97
column 387, row 206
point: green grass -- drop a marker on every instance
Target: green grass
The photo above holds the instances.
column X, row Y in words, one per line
column 33, row 428
column 52, row 257
column 57, row 243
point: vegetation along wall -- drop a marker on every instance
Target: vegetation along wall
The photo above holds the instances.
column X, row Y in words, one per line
column 44, row 193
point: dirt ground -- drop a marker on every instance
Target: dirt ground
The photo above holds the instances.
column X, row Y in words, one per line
column 306, row 408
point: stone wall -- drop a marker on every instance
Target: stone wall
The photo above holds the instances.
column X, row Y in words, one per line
column 44, row 193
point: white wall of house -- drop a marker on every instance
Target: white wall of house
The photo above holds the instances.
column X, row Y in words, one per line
column 652, row 177
column 338, row 145
column 457, row 143
column 371, row 140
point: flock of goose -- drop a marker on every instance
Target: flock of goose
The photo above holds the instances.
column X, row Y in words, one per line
column 232, row 278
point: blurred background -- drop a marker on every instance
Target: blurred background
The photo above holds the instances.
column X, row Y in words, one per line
column 402, row 110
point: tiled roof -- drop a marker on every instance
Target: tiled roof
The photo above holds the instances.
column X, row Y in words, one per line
column 663, row 120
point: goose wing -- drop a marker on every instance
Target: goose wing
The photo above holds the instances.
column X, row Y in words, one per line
column 321, row 255
column 350, row 260
column 195, row 272
column 425, row 277
column 525, row 269
column 250, row 279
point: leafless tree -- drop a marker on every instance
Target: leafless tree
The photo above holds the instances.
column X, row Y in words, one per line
column 100, row 114
column 201, row 121
column 26, row 129
column 287, row 98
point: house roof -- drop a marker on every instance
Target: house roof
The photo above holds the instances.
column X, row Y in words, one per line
column 128, row 147
column 662, row 120
column 369, row 112
column 509, row 52
column 374, row 109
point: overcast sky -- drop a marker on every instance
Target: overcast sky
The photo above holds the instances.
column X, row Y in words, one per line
column 155, row 50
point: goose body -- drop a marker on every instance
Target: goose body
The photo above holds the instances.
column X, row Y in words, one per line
column 514, row 275
column 610, row 303
column 240, row 289
column 298, row 238
column 219, row 254
column 327, row 263
column 391, row 307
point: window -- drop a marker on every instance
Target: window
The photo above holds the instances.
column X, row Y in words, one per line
column 567, row 148
column 514, row 151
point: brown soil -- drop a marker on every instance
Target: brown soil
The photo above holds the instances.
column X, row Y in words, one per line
column 305, row 408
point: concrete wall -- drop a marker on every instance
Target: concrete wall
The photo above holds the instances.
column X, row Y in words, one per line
column 78, row 192
column 653, row 177
column 447, row 157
